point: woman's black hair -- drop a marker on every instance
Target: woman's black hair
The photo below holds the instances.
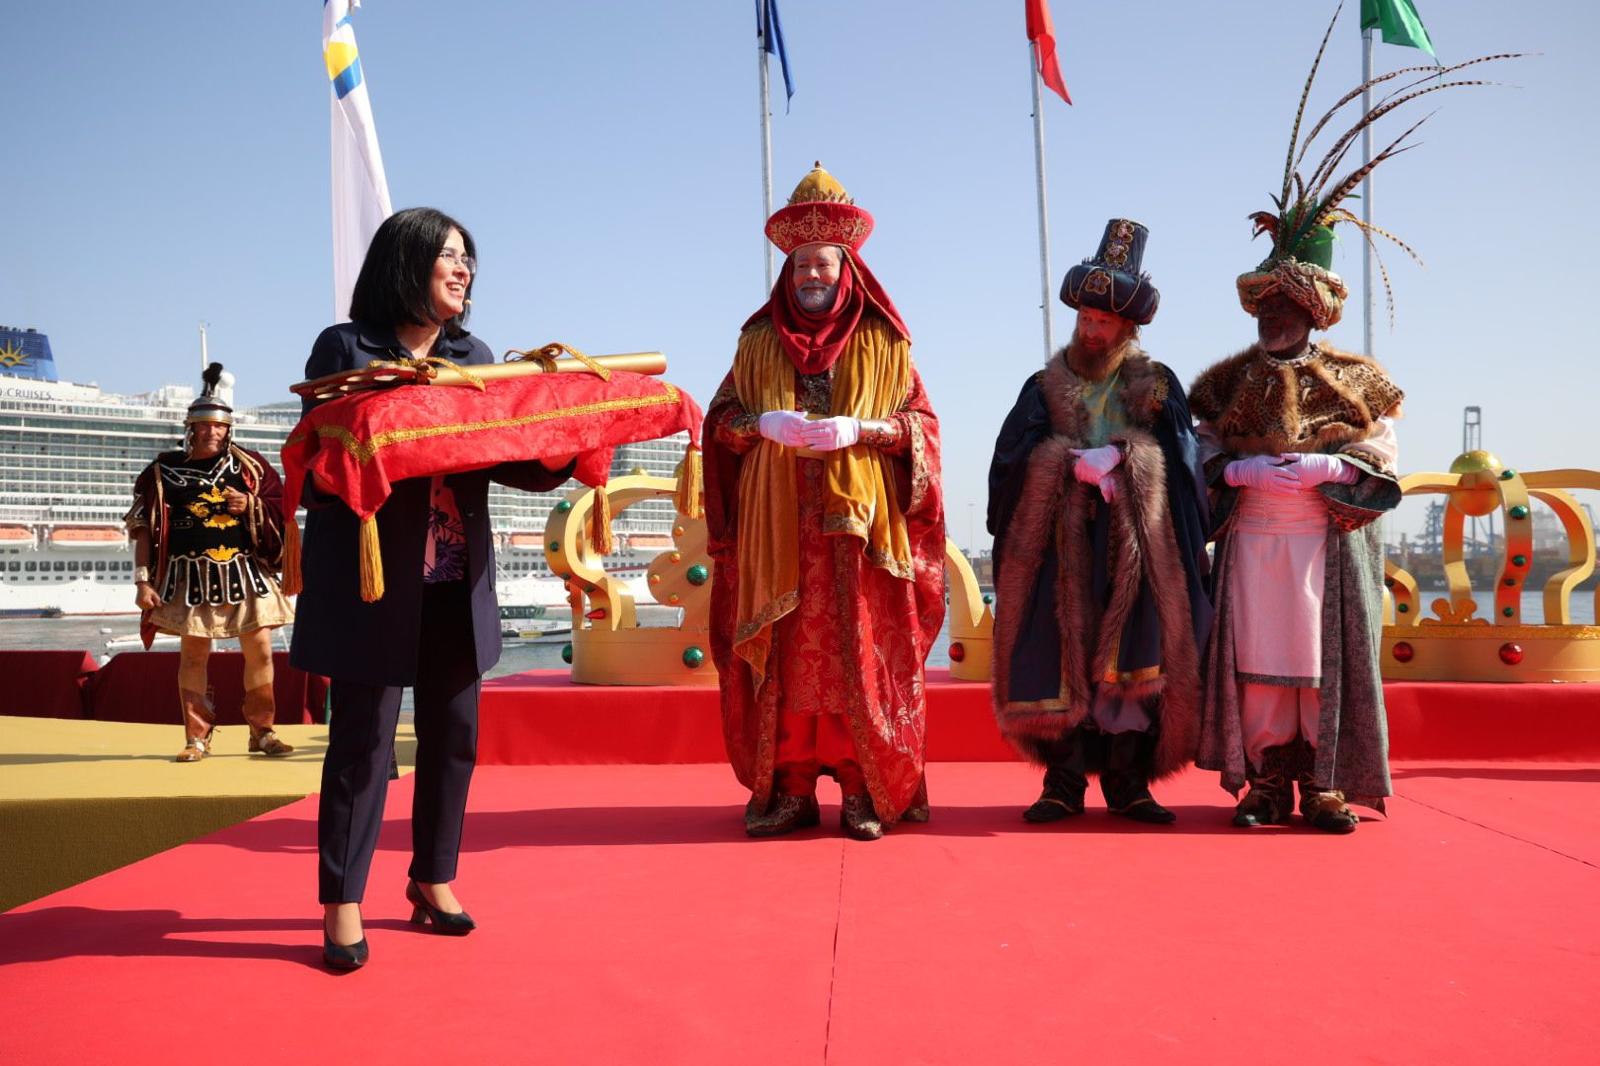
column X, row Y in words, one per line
column 394, row 285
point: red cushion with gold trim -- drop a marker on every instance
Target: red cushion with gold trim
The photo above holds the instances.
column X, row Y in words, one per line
column 361, row 444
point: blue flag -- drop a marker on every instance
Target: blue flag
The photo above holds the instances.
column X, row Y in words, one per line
column 770, row 27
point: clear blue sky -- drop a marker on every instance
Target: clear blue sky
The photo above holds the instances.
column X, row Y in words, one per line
column 168, row 163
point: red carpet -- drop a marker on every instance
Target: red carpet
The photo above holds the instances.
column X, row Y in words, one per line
column 625, row 918
column 541, row 718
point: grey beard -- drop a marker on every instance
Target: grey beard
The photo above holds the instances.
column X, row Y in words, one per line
column 816, row 299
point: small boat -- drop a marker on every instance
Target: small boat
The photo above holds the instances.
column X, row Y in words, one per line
column 535, row 629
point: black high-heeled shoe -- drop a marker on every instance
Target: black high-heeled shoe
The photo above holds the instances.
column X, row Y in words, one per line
column 422, row 912
column 342, row 956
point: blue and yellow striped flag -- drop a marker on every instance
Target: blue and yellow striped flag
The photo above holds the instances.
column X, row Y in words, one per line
column 360, row 189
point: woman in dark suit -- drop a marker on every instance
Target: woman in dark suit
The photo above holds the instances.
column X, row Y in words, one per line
column 436, row 628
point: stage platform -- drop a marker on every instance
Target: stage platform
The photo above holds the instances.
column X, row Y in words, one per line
column 540, row 717
column 78, row 798
column 625, row 918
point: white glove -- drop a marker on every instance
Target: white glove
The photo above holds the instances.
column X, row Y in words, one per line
column 783, row 427
column 1316, row 468
column 831, row 434
column 1095, row 463
column 1263, row 472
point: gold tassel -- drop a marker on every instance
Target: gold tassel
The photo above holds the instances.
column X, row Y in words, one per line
column 371, row 562
column 691, row 483
column 291, row 583
column 600, row 523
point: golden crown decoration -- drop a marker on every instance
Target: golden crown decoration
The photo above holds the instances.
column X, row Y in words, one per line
column 971, row 619
column 1455, row 644
column 610, row 647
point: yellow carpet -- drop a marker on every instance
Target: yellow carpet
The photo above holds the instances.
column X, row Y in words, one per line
column 78, row 798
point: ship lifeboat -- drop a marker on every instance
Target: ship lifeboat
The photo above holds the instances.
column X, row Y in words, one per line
column 648, row 541
column 526, row 542
column 15, row 536
column 88, row 537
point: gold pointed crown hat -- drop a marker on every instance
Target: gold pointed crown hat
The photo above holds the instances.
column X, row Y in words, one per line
column 819, row 211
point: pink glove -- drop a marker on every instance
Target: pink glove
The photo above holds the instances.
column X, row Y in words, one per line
column 1263, row 472
column 1095, row 463
column 831, row 434
column 1316, row 468
column 783, row 427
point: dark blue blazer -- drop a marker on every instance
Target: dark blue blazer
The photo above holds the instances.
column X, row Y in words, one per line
column 335, row 633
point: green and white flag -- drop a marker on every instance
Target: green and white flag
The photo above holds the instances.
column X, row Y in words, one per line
column 1399, row 22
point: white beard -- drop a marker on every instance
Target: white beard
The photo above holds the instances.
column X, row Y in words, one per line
column 816, row 299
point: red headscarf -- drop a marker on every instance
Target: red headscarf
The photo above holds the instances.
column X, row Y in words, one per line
column 813, row 340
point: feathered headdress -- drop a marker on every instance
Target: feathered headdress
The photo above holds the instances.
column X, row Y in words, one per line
column 1308, row 207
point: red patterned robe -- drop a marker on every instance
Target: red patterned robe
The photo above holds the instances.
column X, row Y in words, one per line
column 844, row 671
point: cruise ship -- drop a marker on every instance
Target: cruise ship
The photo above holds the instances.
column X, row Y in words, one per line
column 69, row 455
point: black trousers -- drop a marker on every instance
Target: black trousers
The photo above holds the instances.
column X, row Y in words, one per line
column 355, row 772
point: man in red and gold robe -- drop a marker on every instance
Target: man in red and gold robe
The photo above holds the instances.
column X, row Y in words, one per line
column 826, row 533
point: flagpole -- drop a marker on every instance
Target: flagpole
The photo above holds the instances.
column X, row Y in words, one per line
column 766, row 152
column 1044, row 221
column 1366, row 197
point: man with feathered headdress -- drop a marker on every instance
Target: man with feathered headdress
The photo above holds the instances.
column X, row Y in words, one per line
column 826, row 533
column 1099, row 521
column 207, row 528
column 1300, row 448
column 1300, row 453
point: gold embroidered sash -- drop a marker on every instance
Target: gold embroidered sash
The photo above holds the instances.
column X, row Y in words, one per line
column 870, row 381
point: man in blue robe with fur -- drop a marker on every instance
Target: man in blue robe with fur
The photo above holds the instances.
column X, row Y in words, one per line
column 1098, row 512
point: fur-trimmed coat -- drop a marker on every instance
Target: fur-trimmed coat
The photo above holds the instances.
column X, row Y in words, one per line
column 1086, row 590
column 1327, row 401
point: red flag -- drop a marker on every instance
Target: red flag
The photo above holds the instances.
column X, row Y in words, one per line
column 1042, row 32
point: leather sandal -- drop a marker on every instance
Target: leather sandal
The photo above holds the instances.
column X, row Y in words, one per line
column 267, row 743
column 196, row 748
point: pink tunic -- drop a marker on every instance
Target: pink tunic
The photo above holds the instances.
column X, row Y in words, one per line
column 1279, row 554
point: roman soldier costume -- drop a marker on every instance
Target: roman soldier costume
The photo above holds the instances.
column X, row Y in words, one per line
column 215, row 571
